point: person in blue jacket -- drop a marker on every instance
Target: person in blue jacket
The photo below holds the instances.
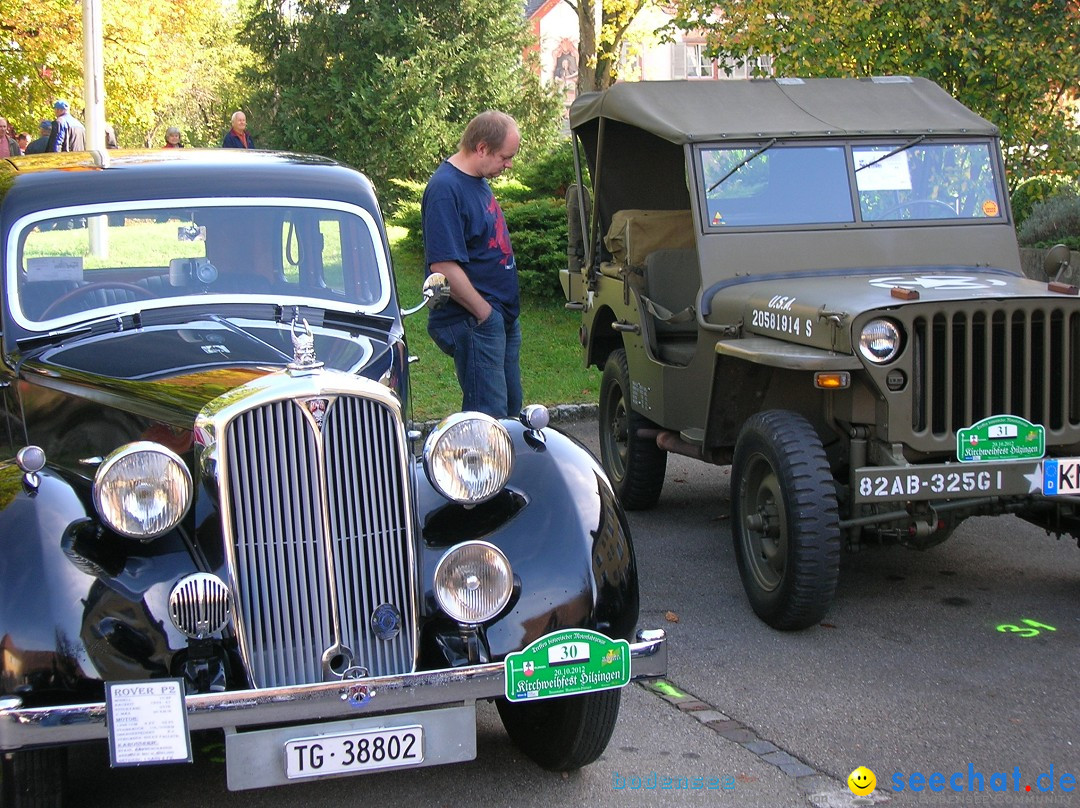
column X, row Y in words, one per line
column 238, row 137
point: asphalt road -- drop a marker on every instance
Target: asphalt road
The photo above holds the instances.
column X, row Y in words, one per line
column 908, row 675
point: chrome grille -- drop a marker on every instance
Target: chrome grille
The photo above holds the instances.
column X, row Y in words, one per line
column 1022, row 360
column 320, row 539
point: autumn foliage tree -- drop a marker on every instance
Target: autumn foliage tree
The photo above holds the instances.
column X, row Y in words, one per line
column 600, row 47
column 166, row 64
column 1016, row 62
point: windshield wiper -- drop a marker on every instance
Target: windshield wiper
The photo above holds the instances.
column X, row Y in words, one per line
column 106, row 326
column 741, row 163
column 894, row 152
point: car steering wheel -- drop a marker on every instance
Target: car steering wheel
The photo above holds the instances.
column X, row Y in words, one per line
column 915, row 202
column 142, row 292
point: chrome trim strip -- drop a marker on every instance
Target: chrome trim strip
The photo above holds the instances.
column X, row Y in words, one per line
column 35, row 726
column 10, row 282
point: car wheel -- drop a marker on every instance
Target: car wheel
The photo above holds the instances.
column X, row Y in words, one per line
column 784, row 520
column 636, row 465
column 562, row 734
column 33, row 778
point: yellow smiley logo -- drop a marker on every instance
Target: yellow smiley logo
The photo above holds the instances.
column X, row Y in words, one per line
column 862, row 781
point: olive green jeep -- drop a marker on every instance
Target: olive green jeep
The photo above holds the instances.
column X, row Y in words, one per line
column 818, row 282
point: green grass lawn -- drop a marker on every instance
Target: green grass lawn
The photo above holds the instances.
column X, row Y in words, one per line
column 551, row 364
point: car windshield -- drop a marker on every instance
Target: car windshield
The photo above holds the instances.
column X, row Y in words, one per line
column 80, row 263
column 907, row 180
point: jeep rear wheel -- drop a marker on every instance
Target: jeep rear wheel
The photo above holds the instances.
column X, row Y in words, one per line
column 784, row 520
column 33, row 778
column 562, row 734
column 636, row 465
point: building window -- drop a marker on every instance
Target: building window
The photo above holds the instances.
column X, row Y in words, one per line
column 698, row 63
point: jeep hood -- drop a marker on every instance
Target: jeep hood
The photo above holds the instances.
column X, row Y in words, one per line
column 818, row 308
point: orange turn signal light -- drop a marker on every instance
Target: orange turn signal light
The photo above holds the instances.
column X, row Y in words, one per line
column 836, row 380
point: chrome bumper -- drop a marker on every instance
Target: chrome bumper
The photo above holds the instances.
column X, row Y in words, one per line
column 356, row 698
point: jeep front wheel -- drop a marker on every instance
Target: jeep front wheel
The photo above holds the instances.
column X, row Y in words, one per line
column 635, row 464
column 562, row 734
column 784, row 520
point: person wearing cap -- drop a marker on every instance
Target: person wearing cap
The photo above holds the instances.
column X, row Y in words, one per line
column 172, row 138
column 68, row 133
column 39, row 145
column 238, row 137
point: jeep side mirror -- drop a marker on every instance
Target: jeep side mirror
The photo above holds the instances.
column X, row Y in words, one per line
column 1056, row 262
column 436, row 291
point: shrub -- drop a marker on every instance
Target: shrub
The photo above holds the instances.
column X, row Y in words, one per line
column 552, row 173
column 405, row 212
column 1055, row 220
column 1035, row 190
column 538, row 233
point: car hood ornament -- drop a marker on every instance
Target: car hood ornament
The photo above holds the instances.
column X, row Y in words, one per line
column 303, row 349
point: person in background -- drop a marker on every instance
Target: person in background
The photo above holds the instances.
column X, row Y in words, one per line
column 238, row 136
column 23, row 139
column 110, row 137
column 8, row 146
column 39, row 145
column 68, row 133
column 172, row 138
column 465, row 238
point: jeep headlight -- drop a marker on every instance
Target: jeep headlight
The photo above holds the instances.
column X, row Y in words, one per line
column 142, row 490
column 473, row 582
column 468, row 457
column 880, row 341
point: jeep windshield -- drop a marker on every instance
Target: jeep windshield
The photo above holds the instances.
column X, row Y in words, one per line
column 896, row 181
column 80, row 263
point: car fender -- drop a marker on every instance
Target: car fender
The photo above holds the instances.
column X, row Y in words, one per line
column 557, row 520
column 79, row 604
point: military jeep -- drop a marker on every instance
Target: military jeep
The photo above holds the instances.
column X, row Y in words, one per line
column 818, row 282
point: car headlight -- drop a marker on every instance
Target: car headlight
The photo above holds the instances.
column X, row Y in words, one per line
column 468, row 457
column 880, row 341
column 142, row 490
column 473, row 582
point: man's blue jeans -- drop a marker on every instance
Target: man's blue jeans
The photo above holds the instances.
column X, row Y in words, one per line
column 487, row 360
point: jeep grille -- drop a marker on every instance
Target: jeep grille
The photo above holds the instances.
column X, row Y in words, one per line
column 1022, row 360
column 320, row 540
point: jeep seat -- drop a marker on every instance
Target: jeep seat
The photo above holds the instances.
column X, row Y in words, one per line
column 669, row 299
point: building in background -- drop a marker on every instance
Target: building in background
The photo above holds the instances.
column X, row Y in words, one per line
column 644, row 55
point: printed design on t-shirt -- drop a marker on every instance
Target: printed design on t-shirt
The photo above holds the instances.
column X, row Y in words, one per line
column 501, row 239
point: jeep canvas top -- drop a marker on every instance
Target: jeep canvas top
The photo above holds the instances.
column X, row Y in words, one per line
column 818, row 282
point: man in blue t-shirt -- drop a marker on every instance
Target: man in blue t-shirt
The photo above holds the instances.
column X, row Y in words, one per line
column 465, row 238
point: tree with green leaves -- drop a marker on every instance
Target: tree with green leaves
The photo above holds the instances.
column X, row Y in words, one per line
column 1015, row 62
column 388, row 86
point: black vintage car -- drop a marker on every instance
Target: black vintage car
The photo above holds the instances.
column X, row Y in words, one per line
column 215, row 512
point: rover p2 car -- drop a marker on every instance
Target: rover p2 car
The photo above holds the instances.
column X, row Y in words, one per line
column 216, row 514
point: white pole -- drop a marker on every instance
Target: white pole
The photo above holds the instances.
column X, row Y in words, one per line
column 93, row 71
column 94, row 101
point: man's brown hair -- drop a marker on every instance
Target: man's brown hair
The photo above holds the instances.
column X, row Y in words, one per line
column 490, row 127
